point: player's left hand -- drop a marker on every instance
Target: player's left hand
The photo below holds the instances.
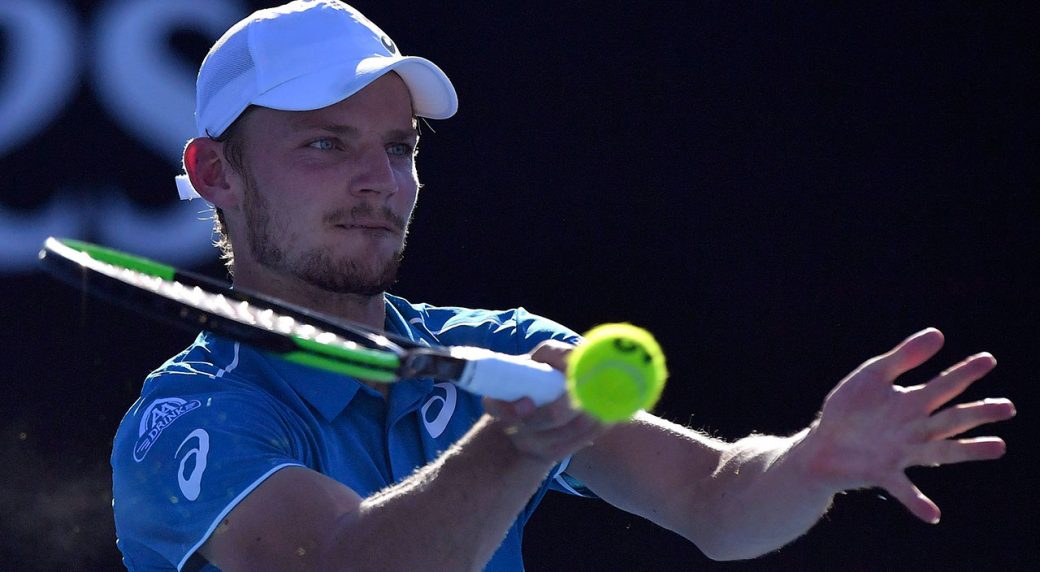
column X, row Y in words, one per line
column 870, row 430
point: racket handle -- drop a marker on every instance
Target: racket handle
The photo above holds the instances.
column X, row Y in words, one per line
column 508, row 378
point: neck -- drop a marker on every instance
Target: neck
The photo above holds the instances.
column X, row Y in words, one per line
column 367, row 310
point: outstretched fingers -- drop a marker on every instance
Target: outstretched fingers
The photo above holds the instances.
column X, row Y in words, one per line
column 909, row 354
column 965, row 417
column 952, row 382
column 904, row 491
column 959, row 451
column 871, row 431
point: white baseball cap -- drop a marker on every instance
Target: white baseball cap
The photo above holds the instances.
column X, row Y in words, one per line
column 305, row 55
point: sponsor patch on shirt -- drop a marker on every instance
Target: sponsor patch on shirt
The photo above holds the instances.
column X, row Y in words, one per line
column 159, row 415
column 191, row 485
column 441, row 415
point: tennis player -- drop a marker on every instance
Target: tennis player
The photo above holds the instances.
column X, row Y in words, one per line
column 233, row 459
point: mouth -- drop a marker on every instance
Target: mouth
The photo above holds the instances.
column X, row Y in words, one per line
column 367, row 226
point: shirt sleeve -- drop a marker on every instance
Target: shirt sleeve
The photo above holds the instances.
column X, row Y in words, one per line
column 533, row 329
column 186, row 454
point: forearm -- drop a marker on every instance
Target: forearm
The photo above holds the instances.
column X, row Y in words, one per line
column 762, row 495
column 733, row 500
column 450, row 515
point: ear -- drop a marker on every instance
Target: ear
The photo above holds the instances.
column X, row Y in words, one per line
column 211, row 175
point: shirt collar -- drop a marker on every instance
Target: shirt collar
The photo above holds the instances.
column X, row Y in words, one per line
column 396, row 323
column 330, row 393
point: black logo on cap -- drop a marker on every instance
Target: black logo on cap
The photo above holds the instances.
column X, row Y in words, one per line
column 389, row 44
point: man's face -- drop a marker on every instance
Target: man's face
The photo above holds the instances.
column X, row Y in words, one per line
column 328, row 194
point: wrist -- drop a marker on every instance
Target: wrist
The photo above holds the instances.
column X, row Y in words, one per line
column 819, row 461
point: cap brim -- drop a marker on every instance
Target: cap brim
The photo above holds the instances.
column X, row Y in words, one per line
column 433, row 95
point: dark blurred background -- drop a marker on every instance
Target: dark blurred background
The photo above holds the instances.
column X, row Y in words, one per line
column 777, row 192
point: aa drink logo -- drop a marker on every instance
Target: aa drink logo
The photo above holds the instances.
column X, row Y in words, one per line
column 156, row 418
column 442, row 406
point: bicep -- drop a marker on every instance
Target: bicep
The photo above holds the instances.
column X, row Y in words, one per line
column 647, row 466
column 282, row 524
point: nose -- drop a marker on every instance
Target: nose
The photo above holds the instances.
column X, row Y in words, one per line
column 374, row 173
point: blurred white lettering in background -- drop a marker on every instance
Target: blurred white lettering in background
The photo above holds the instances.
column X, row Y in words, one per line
column 123, row 53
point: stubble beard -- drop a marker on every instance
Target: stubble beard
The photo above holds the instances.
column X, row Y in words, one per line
column 316, row 266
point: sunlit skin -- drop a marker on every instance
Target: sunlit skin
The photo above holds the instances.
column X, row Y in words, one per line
column 318, row 215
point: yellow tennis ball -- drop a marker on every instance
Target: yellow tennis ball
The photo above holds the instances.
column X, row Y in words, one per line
column 617, row 370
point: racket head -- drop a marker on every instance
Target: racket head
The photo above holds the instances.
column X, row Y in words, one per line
column 195, row 302
column 358, row 333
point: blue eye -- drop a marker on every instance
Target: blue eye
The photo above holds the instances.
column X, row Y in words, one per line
column 399, row 149
column 322, row 144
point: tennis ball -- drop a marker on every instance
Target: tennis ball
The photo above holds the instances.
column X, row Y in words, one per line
column 617, row 370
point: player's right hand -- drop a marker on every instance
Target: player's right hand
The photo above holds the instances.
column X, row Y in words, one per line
column 550, row 432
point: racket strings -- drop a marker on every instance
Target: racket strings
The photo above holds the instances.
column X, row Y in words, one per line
column 238, row 310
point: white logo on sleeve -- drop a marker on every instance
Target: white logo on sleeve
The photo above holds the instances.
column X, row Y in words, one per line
column 191, row 483
column 437, row 425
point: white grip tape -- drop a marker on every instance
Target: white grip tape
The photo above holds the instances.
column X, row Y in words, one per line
column 507, row 377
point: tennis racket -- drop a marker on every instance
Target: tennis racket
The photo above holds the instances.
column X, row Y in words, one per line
column 294, row 333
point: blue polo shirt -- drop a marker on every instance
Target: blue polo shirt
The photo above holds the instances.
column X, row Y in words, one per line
column 217, row 419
